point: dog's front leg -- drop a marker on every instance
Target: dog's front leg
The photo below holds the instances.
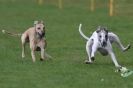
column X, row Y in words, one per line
column 114, row 59
column 33, row 55
column 42, row 54
column 110, row 51
column 90, row 51
column 41, row 44
column 94, row 49
column 32, row 47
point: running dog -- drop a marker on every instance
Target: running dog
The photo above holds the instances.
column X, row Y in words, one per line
column 101, row 40
column 35, row 36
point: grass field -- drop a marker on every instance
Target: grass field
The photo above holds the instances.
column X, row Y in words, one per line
column 66, row 69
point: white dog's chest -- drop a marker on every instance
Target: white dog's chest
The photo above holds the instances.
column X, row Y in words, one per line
column 103, row 51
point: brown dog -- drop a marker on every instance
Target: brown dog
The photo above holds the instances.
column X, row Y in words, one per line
column 35, row 37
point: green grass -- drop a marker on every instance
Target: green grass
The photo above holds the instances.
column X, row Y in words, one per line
column 66, row 69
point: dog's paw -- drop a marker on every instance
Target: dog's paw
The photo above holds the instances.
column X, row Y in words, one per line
column 122, row 69
column 88, row 62
column 41, row 59
column 118, row 69
column 92, row 58
column 128, row 47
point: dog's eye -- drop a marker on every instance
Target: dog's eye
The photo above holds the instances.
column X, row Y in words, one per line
column 106, row 36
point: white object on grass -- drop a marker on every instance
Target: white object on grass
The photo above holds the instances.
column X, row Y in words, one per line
column 125, row 72
column 3, row 31
column 102, row 80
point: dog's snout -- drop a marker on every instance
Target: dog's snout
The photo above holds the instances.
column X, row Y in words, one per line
column 43, row 33
column 104, row 43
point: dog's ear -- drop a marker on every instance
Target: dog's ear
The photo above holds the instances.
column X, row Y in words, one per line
column 105, row 29
column 98, row 29
column 35, row 22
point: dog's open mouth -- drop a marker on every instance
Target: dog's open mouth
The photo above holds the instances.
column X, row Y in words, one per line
column 41, row 35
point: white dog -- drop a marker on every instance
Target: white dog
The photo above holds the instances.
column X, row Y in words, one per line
column 101, row 40
column 35, row 37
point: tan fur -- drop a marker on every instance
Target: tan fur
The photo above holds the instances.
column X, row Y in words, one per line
column 35, row 37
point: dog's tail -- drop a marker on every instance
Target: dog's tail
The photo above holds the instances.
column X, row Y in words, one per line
column 10, row 33
column 81, row 33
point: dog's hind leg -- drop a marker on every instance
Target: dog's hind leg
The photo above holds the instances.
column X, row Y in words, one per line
column 23, row 50
column 32, row 47
column 94, row 49
column 116, row 40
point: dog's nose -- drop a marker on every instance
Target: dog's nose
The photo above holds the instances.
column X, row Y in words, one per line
column 43, row 33
column 104, row 43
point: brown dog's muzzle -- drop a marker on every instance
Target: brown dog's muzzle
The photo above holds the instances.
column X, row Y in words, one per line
column 43, row 33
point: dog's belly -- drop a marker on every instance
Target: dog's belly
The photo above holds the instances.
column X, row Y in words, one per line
column 38, row 48
column 27, row 39
column 103, row 51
